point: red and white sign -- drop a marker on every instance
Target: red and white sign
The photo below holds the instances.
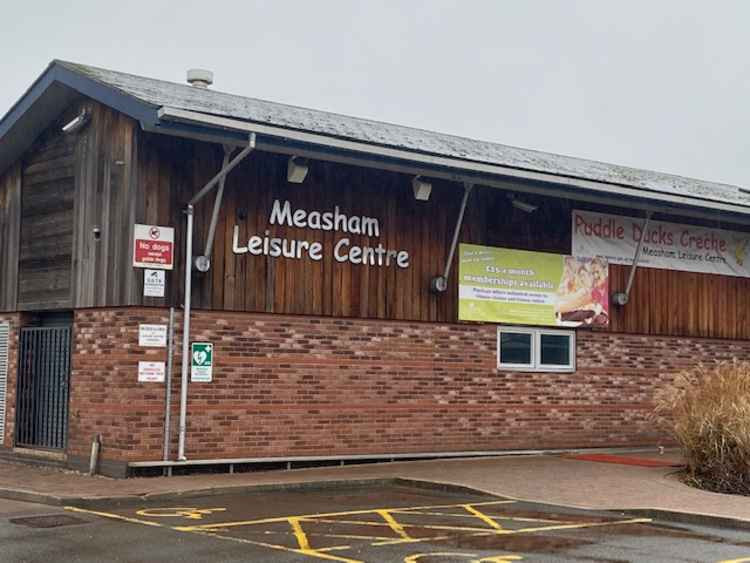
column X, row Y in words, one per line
column 669, row 246
column 151, row 372
column 153, row 247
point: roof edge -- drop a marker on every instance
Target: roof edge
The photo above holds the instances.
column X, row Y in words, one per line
column 176, row 115
column 16, row 135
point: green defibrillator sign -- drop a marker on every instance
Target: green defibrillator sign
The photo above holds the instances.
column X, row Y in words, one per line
column 201, row 362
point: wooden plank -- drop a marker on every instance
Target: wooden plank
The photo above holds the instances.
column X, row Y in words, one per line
column 10, row 232
column 45, row 249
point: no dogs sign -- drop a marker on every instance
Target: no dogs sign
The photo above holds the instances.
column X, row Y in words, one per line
column 153, row 247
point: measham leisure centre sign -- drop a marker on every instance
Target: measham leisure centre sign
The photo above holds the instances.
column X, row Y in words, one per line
column 343, row 249
column 670, row 246
column 536, row 288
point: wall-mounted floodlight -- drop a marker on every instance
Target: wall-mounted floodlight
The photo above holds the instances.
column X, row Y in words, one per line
column 296, row 170
column 522, row 205
column 422, row 189
column 77, row 123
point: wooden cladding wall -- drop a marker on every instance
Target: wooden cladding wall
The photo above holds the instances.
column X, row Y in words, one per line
column 112, row 175
column 174, row 169
column 10, row 232
column 72, row 201
column 662, row 302
column 107, row 198
column 47, row 200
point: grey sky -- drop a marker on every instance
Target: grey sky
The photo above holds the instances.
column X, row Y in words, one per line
column 658, row 85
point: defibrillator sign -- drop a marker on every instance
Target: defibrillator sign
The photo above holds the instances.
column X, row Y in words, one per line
column 201, row 362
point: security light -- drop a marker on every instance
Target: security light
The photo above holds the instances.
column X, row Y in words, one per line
column 422, row 189
column 522, row 205
column 296, row 170
column 77, row 123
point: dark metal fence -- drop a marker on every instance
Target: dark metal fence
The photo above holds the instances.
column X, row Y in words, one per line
column 43, row 385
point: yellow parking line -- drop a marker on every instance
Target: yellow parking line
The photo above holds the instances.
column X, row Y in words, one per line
column 332, row 514
column 483, row 517
column 494, row 516
column 322, row 535
column 114, row 516
column 393, row 525
column 310, row 552
column 299, row 533
column 518, row 531
column 211, row 534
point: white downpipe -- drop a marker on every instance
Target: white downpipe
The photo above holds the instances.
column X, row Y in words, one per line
column 219, row 178
column 186, row 333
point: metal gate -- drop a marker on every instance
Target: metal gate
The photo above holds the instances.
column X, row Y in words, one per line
column 42, row 390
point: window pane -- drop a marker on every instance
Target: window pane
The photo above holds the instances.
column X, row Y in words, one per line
column 555, row 349
column 515, row 348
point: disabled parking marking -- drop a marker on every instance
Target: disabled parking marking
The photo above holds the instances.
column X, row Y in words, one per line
column 387, row 519
column 191, row 513
column 275, row 519
column 492, row 559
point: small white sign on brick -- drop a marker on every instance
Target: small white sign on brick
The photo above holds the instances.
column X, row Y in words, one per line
column 154, row 336
column 151, row 372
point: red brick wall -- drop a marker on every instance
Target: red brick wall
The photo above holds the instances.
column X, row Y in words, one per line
column 321, row 386
column 10, row 405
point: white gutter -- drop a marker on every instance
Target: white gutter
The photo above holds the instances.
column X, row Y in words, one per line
column 185, row 116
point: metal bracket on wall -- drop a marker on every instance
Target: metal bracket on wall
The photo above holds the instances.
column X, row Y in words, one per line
column 202, row 263
column 621, row 298
column 439, row 284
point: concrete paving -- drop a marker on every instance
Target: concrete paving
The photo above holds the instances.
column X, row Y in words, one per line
column 546, row 478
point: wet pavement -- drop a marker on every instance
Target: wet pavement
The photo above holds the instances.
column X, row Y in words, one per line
column 370, row 523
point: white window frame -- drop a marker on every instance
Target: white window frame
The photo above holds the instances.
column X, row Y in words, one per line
column 536, row 350
column 516, row 367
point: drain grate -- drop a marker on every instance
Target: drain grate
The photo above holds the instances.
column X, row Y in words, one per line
column 49, row 521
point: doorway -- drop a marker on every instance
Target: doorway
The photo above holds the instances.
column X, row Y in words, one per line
column 43, row 384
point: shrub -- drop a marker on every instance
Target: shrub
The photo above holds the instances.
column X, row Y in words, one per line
column 707, row 410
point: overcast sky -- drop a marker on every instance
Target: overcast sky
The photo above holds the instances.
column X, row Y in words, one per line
column 658, row 85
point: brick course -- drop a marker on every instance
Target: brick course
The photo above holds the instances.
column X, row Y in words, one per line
column 286, row 385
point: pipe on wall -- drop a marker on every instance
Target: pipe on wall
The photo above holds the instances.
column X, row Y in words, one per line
column 227, row 167
column 185, row 334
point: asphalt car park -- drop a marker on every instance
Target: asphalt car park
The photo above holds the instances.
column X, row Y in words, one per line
column 377, row 522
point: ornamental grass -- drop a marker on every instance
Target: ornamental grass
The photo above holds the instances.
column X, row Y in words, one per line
column 707, row 410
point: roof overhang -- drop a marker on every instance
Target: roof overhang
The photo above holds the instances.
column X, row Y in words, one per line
column 48, row 97
column 59, row 86
column 214, row 128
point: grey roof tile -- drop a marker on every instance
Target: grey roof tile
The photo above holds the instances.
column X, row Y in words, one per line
column 183, row 96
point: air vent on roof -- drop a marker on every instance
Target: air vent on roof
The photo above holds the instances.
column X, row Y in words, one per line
column 200, row 78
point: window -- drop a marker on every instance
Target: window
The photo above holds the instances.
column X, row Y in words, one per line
column 536, row 349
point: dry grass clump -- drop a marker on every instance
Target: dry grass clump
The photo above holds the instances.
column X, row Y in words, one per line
column 708, row 411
